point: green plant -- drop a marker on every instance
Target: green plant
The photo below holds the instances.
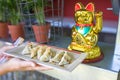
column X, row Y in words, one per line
column 14, row 11
column 3, row 8
column 37, row 6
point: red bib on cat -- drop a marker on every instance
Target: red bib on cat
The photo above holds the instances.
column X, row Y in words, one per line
column 84, row 25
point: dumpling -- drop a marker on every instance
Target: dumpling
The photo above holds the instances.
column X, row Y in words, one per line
column 32, row 44
column 47, row 55
column 33, row 52
column 57, row 57
column 40, row 51
column 66, row 59
column 27, row 49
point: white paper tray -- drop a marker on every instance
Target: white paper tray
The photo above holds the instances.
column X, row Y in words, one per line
column 2, row 44
column 78, row 58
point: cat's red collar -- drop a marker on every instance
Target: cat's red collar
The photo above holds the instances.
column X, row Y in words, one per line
column 84, row 25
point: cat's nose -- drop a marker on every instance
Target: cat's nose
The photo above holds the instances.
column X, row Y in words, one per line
column 85, row 19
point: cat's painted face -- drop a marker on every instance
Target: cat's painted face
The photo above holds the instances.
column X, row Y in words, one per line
column 84, row 15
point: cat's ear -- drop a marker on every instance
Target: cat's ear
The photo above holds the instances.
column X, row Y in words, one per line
column 78, row 6
column 90, row 7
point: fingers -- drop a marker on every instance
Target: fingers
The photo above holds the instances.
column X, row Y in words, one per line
column 20, row 65
column 7, row 56
column 41, row 68
column 6, row 48
column 26, row 69
column 27, row 64
column 33, row 68
column 2, row 53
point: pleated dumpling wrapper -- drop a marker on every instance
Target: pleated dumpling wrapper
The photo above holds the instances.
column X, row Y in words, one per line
column 47, row 55
column 40, row 51
column 66, row 59
column 28, row 48
column 34, row 52
column 57, row 57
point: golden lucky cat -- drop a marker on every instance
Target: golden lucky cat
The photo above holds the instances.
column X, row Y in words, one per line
column 85, row 31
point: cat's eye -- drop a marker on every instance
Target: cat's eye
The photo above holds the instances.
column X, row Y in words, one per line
column 86, row 15
column 78, row 13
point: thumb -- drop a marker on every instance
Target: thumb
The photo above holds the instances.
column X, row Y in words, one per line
column 27, row 64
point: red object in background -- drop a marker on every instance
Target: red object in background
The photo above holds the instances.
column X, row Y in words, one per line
column 4, row 30
column 100, row 5
column 16, row 31
column 41, row 32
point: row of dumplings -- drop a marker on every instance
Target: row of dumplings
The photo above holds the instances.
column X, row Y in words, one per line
column 46, row 54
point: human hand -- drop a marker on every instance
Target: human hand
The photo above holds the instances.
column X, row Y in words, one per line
column 4, row 57
column 16, row 64
column 5, row 48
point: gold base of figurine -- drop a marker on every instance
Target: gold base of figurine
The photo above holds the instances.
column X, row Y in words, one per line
column 92, row 53
column 94, row 60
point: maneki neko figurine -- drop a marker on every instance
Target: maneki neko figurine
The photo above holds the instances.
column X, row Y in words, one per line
column 85, row 31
